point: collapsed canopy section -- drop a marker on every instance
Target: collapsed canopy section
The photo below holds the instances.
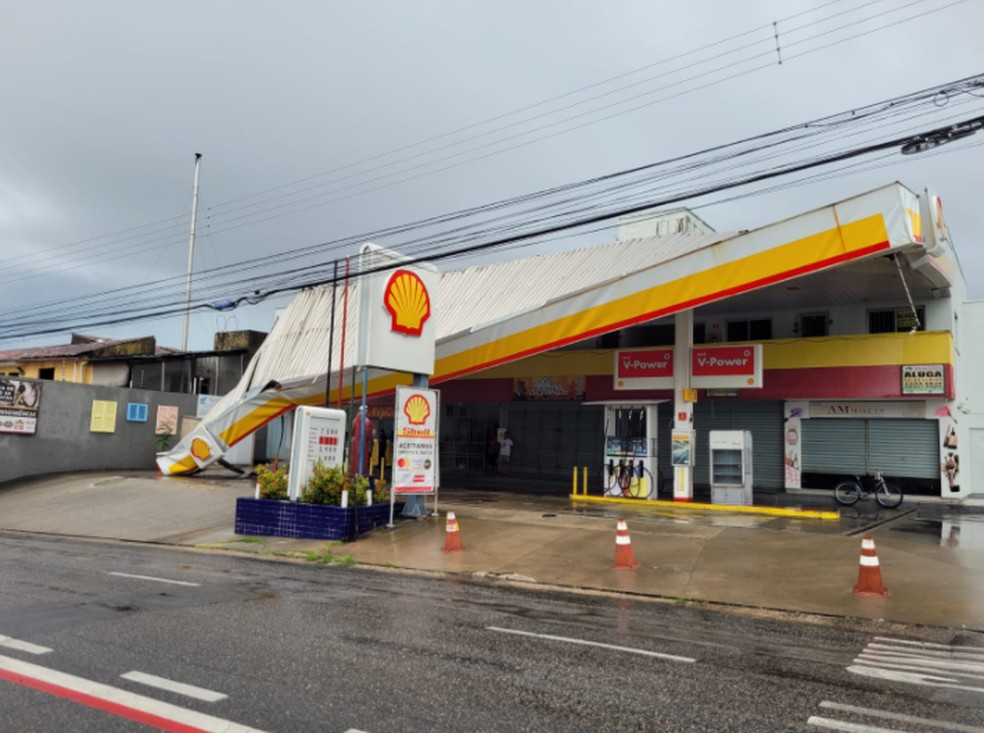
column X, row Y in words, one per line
column 493, row 314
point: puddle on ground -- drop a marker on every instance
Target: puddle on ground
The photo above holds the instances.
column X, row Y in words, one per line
column 963, row 531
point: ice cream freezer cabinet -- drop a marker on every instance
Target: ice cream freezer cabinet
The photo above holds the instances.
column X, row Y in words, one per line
column 731, row 467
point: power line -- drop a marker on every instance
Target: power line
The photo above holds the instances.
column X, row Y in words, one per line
column 251, row 219
column 584, row 221
column 872, row 112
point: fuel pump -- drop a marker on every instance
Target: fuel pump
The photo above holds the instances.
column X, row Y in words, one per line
column 630, row 450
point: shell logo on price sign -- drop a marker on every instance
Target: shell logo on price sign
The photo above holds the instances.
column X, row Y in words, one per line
column 415, row 441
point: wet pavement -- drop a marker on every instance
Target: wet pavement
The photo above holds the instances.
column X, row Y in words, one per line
column 932, row 554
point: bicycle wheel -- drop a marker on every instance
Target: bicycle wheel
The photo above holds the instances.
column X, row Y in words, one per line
column 888, row 495
column 847, row 493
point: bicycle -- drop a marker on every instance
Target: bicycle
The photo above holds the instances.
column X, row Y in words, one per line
column 626, row 479
column 886, row 494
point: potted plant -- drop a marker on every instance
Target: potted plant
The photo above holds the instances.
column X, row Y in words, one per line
column 319, row 513
column 272, row 481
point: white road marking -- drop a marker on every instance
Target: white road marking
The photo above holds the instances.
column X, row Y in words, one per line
column 914, row 678
column 922, row 663
column 114, row 700
column 926, row 644
column 23, row 646
column 900, row 717
column 630, row 650
column 964, row 669
column 843, row 725
column 162, row 683
column 951, row 653
column 158, row 580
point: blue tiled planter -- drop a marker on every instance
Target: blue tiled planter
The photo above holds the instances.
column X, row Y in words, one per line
column 269, row 518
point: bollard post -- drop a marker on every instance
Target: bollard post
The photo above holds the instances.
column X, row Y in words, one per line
column 584, row 485
column 573, row 482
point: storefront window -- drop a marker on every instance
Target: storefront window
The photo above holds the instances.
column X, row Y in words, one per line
column 896, row 320
column 758, row 329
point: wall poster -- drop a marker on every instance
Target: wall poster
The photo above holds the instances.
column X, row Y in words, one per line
column 103, row 418
column 20, row 402
column 167, row 420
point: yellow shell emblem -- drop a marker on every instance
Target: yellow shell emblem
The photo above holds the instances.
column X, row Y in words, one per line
column 200, row 449
column 417, row 409
column 408, row 302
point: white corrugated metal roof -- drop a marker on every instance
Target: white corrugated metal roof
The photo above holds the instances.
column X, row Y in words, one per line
column 486, row 293
column 297, row 345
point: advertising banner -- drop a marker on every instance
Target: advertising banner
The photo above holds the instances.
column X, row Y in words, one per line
column 738, row 367
column 548, row 388
column 415, row 441
column 923, row 379
column 20, row 402
column 644, row 369
column 680, row 448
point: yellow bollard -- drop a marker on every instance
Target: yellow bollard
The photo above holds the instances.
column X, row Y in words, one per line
column 574, row 482
column 584, row 485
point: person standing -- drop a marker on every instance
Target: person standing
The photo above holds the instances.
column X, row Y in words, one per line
column 505, row 453
column 492, row 453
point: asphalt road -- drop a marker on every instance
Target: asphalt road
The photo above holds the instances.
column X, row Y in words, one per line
column 88, row 630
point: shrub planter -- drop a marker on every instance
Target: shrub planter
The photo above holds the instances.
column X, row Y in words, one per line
column 270, row 518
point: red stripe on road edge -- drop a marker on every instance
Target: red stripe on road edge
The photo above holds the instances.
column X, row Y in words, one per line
column 155, row 721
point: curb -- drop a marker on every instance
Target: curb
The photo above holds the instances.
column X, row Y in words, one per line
column 733, row 509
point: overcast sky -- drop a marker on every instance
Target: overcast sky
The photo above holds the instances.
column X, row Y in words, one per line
column 105, row 104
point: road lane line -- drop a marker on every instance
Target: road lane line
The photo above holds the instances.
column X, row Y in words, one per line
column 914, row 678
column 951, row 653
column 830, row 724
column 162, row 683
column 630, row 650
column 929, row 645
column 900, row 717
column 23, row 646
column 158, row 580
column 114, row 700
column 937, row 666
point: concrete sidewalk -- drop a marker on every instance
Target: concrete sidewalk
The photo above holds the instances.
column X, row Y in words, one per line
column 790, row 564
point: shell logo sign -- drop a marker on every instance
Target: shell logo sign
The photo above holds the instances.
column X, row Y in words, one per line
column 417, row 410
column 408, row 303
column 200, row 449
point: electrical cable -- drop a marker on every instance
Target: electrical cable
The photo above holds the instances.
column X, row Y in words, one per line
column 762, row 176
column 791, row 43
column 427, row 238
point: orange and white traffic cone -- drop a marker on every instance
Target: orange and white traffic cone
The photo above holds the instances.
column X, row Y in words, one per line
column 624, row 560
column 452, row 538
column 869, row 574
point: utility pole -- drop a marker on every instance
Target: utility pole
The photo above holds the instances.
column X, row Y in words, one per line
column 191, row 253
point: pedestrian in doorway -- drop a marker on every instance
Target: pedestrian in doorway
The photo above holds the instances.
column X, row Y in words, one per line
column 492, row 453
column 505, row 453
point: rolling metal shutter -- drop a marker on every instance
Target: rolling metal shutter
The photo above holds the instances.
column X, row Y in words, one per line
column 763, row 418
column 550, row 438
column 904, row 448
column 901, row 448
column 834, row 446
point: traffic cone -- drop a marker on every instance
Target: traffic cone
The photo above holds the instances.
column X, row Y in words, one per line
column 452, row 538
column 624, row 559
column 869, row 574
